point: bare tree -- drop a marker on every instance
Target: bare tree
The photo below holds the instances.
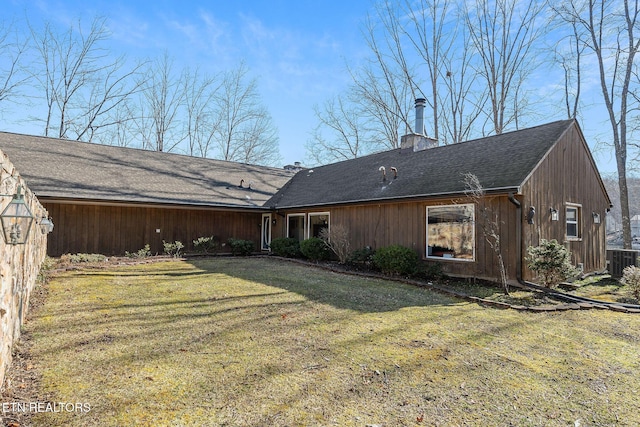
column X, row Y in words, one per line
column 610, row 33
column 412, row 44
column 82, row 85
column 571, row 62
column 433, row 44
column 463, row 103
column 374, row 111
column 12, row 75
column 202, row 121
column 383, row 85
column 163, row 96
column 259, row 140
column 346, row 129
column 336, row 238
column 488, row 221
column 504, row 34
column 122, row 132
column 245, row 124
column 383, row 99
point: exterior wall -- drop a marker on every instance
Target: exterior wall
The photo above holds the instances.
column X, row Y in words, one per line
column 112, row 230
column 404, row 223
column 19, row 266
column 567, row 175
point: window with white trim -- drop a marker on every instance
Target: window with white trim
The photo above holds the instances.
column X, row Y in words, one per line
column 317, row 222
column 451, row 232
column 573, row 222
column 296, row 226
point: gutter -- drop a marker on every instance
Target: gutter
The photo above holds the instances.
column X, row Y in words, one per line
column 518, row 206
column 151, row 204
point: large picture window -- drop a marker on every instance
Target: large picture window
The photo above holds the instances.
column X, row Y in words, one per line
column 451, row 231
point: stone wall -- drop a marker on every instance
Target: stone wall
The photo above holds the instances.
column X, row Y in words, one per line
column 19, row 264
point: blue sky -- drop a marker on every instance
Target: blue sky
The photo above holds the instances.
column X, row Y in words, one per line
column 298, row 50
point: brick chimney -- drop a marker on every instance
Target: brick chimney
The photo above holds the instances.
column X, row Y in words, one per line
column 418, row 140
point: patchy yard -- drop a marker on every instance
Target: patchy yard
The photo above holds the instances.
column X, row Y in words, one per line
column 258, row 341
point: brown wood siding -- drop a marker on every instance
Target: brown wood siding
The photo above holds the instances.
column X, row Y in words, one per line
column 567, row 175
column 404, row 223
column 112, row 230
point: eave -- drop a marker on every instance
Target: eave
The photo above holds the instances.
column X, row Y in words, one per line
column 120, row 203
column 491, row 191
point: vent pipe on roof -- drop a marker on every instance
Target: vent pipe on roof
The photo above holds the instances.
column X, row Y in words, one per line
column 384, row 172
column 420, row 104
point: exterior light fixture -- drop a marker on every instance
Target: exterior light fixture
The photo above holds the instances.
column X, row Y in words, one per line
column 530, row 215
column 554, row 214
column 596, row 218
column 16, row 220
column 46, row 225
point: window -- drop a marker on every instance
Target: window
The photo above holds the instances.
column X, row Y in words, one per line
column 450, row 232
column 573, row 222
column 265, row 239
column 295, row 226
column 317, row 222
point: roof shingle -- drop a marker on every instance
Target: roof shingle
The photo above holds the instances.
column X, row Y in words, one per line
column 501, row 162
column 78, row 170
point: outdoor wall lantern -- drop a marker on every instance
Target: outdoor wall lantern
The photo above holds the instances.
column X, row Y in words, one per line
column 554, row 214
column 46, row 225
column 596, row 218
column 16, row 220
column 530, row 215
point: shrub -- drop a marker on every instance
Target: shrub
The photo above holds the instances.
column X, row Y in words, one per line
column 47, row 265
column 361, row 256
column 206, row 245
column 77, row 258
column 631, row 278
column 434, row 271
column 141, row 253
column 286, row 247
column 172, row 249
column 315, row 249
column 241, row 247
column 551, row 262
column 337, row 238
column 396, row 259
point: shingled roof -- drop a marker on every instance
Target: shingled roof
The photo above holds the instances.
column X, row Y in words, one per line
column 63, row 169
column 501, row 163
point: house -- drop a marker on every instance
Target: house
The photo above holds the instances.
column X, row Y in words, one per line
column 108, row 200
column 539, row 183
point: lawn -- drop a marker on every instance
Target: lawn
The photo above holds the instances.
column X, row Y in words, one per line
column 266, row 342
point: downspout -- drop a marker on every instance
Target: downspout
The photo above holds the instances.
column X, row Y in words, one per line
column 513, row 200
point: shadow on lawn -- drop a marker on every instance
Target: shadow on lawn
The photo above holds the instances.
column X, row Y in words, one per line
column 326, row 287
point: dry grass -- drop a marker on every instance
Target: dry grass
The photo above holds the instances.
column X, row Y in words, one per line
column 605, row 288
column 264, row 342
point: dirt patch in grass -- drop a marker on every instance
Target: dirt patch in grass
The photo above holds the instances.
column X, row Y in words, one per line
column 259, row 341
